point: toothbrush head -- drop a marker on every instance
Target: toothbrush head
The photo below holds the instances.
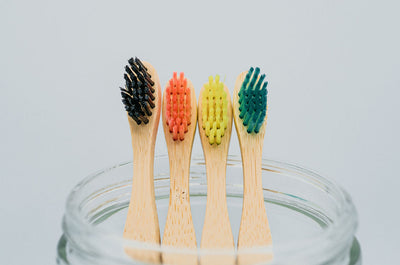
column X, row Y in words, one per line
column 178, row 106
column 138, row 94
column 253, row 100
column 214, row 110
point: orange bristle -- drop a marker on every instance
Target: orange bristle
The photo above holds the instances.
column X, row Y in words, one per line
column 178, row 110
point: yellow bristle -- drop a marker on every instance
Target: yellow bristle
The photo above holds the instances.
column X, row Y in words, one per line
column 215, row 104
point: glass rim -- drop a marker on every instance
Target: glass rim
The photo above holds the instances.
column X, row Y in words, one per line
column 329, row 240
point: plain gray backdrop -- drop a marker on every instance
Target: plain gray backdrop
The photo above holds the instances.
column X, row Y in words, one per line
column 333, row 72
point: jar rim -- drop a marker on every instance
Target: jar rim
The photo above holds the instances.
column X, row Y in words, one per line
column 329, row 240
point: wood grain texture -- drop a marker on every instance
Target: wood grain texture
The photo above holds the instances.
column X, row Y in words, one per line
column 217, row 232
column 254, row 228
column 142, row 220
column 179, row 230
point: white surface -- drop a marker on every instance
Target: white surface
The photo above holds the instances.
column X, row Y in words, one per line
column 333, row 71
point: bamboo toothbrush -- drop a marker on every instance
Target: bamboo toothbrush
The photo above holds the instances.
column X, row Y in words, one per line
column 179, row 121
column 215, row 126
column 142, row 99
column 250, row 114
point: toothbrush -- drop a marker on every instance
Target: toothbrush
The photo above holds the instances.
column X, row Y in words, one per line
column 215, row 126
column 250, row 114
column 142, row 99
column 179, row 121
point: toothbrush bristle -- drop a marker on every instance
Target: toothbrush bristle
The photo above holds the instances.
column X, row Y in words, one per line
column 253, row 100
column 178, row 109
column 214, row 110
column 137, row 95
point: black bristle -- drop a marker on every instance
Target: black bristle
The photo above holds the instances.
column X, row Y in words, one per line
column 152, row 97
column 148, row 92
column 136, row 119
column 146, row 108
column 136, row 69
column 140, row 64
column 141, row 77
column 124, row 90
column 137, row 96
column 149, row 100
column 126, row 78
column 147, row 83
column 150, row 81
column 151, row 89
column 129, row 71
column 145, row 120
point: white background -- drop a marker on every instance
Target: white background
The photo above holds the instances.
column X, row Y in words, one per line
column 333, row 71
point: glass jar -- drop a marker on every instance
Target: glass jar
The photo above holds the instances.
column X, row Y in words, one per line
column 312, row 219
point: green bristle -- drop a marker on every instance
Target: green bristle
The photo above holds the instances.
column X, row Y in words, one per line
column 251, row 126
column 262, row 77
column 259, row 123
column 246, row 119
column 241, row 97
column 241, row 115
column 245, row 81
column 254, row 79
column 253, row 100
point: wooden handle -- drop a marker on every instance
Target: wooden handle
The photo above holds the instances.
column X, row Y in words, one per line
column 179, row 230
column 252, row 178
column 217, row 232
column 254, row 227
column 179, row 166
column 142, row 211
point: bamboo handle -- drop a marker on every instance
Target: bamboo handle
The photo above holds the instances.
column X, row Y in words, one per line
column 252, row 179
column 216, row 172
column 217, row 232
column 254, row 227
column 179, row 170
column 142, row 211
column 179, row 230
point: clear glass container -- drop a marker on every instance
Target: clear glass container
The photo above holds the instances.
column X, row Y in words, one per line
column 312, row 219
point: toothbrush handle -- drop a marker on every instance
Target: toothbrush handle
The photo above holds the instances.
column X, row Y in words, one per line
column 252, row 178
column 179, row 229
column 217, row 232
column 142, row 211
column 179, row 167
column 254, row 228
